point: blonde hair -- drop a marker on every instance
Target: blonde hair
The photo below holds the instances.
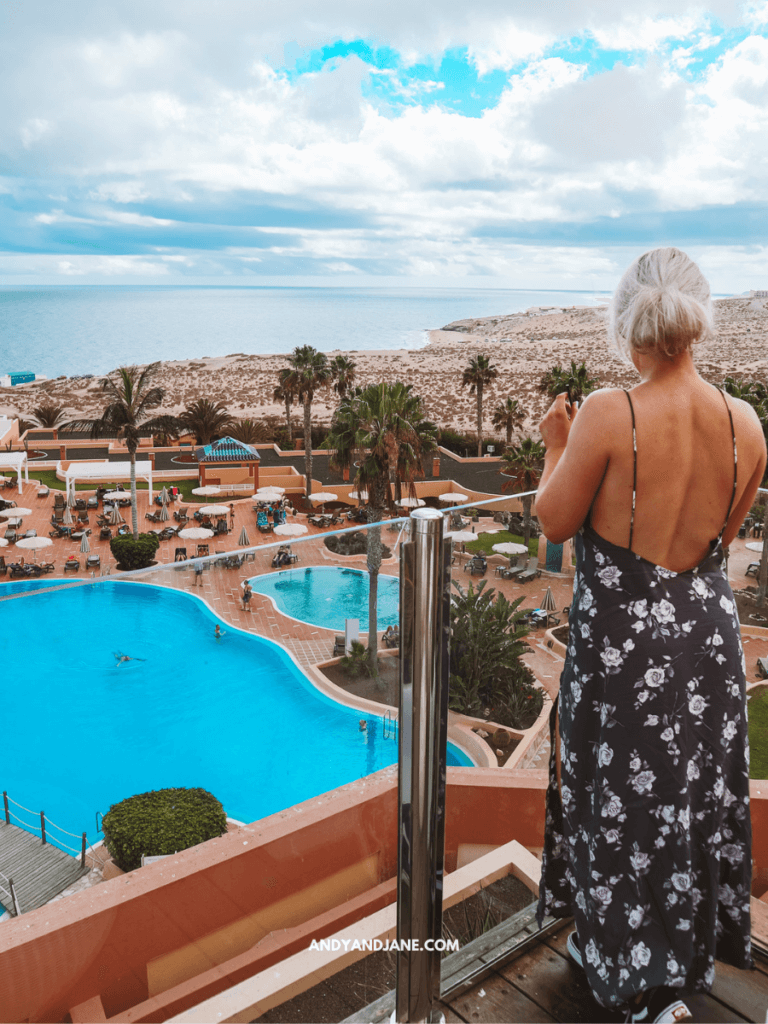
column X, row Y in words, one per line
column 661, row 306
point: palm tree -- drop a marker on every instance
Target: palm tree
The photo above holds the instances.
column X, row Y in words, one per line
column 207, row 420
column 477, row 374
column 524, row 464
column 285, row 393
column 248, row 431
column 131, row 394
column 382, row 431
column 509, row 414
column 344, row 373
column 49, row 415
column 576, row 382
column 309, row 371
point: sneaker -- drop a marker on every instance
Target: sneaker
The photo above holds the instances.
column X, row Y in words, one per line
column 574, row 949
column 659, row 1006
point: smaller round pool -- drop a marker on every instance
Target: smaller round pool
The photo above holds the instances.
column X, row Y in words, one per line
column 327, row 595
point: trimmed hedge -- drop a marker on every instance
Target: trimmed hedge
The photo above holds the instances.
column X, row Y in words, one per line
column 135, row 554
column 159, row 822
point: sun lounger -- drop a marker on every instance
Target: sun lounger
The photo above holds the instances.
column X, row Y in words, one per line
column 93, row 562
column 80, row 504
column 152, row 516
column 43, row 492
column 202, row 550
column 93, row 502
column 515, row 570
column 59, row 501
column 476, row 565
column 181, row 516
column 71, row 565
column 339, row 646
column 752, row 569
column 46, row 567
column 262, row 522
column 180, row 555
column 11, row 536
column 531, row 572
column 105, row 533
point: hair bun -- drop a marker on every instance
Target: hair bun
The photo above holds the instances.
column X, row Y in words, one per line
column 662, row 305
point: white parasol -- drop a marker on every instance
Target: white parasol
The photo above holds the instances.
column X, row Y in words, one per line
column 214, row 510
column 3, row 542
column 244, row 541
column 67, row 517
column 116, row 496
column 290, row 529
column 165, row 515
column 195, row 533
column 271, row 487
column 12, row 513
column 34, row 543
column 323, row 496
column 85, row 547
column 208, row 491
column 510, row 548
column 453, row 496
column 269, row 494
column 360, row 495
column 754, row 545
column 411, row 502
column 115, row 519
column 164, row 495
column 461, row 536
column 548, row 603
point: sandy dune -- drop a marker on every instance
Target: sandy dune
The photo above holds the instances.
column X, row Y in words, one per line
column 522, row 346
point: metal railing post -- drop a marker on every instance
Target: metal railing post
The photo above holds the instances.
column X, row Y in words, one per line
column 82, row 853
column 7, row 808
column 424, row 632
column 14, row 897
column 42, row 824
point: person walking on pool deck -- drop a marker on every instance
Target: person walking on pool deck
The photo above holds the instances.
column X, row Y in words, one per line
column 648, row 835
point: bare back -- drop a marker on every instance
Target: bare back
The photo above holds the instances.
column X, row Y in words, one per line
column 685, row 470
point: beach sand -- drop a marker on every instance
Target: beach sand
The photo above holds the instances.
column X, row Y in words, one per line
column 522, row 346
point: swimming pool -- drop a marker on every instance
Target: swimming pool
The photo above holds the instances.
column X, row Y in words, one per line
column 324, row 595
column 235, row 716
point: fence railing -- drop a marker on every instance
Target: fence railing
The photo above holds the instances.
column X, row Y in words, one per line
column 44, row 828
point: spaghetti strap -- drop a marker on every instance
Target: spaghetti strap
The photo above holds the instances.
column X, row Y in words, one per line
column 634, row 470
column 735, row 466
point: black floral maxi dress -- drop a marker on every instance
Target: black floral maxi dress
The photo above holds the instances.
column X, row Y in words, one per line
column 648, row 839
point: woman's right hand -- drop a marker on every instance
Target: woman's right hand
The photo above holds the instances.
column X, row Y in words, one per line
column 556, row 424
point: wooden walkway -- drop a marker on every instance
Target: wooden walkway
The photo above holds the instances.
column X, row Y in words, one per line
column 540, row 983
column 39, row 871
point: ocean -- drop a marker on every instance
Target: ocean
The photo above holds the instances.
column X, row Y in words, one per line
column 75, row 330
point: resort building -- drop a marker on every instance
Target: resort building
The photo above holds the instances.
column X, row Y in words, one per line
column 229, row 464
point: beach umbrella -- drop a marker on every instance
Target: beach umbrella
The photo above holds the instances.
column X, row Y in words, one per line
column 71, row 499
column 360, row 495
column 116, row 496
column 453, row 496
column 67, row 517
column 13, row 513
column 411, row 502
column 195, row 533
column 270, row 494
column 208, row 491
column 244, row 541
column 271, row 487
column 754, row 545
column 323, row 496
column 165, row 515
column 461, row 536
column 3, row 542
column 164, row 495
column 548, row 603
column 291, row 529
column 85, row 547
column 510, row 548
column 115, row 519
column 34, row 544
column 214, row 510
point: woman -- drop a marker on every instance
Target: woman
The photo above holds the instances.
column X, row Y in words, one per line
column 648, row 830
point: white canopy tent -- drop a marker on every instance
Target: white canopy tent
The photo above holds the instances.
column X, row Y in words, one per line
column 17, row 461
column 99, row 472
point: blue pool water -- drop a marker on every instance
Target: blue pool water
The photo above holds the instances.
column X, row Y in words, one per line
column 327, row 595
column 235, row 716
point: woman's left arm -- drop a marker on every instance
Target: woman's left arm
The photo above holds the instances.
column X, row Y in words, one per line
column 578, row 452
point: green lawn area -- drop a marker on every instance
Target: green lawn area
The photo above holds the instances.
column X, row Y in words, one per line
column 49, row 478
column 485, row 541
column 757, row 708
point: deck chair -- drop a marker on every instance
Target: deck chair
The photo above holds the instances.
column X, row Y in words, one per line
column 57, row 517
column 105, row 533
column 202, row 550
column 262, row 522
column 181, row 555
column 221, row 527
column 43, row 491
column 93, row 562
column 80, row 504
column 93, row 502
column 71, row 565
column 59, row 500
column 339, row 646
column 152, row 516
column 531, row 572
column 82, row 516
column 752, row 569
column 181, row 516
column 515, row 570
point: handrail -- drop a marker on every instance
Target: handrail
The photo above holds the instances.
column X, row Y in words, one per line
column 43, row 829
column 10, row 892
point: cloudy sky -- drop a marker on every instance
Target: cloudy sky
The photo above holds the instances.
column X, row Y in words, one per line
column 502, row 143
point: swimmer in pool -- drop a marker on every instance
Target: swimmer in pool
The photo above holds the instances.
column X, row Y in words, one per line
column 124, row 657
column 218, row 633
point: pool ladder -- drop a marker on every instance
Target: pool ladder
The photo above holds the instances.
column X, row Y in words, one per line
column 389, row 726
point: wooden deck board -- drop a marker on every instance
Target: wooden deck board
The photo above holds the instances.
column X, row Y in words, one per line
column 39, row 870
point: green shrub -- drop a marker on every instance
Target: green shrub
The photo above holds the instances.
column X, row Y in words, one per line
column 358, row 662
column 135, row 554
column 160, row 822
